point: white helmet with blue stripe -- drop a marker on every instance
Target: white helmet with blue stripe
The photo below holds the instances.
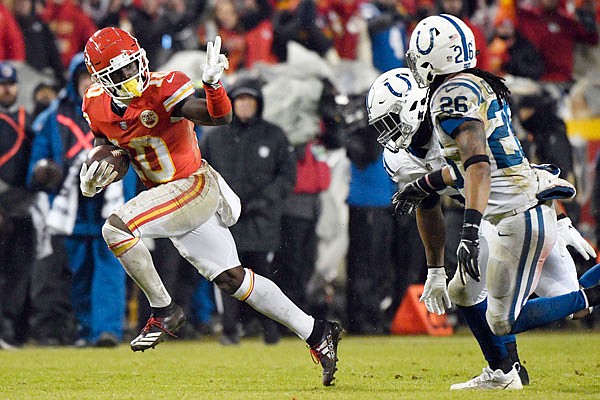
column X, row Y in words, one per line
column 396, row 106
column 440, row 44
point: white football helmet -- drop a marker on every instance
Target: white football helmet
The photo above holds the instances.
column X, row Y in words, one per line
column 440, row 44
column 109, row 51
column 396, row 106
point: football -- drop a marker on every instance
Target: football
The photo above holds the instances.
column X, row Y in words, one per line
column 111, row 154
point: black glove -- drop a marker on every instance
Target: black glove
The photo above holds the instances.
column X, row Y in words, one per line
column 407, row 199
column 468, row 253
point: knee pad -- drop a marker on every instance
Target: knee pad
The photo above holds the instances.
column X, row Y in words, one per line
column 245, row 289
column 118, row 241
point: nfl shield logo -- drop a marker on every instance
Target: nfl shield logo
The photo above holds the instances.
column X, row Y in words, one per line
column 123, row 125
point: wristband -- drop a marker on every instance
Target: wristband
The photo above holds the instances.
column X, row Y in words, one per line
column 432, row 182
column 217, row 101
column 472, row 217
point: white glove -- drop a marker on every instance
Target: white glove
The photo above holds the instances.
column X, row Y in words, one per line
column 215, row 64
column 95, row 178
column 435, row 294
column 569, row 236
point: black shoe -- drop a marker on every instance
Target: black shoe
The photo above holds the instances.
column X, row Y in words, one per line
column 325, row 352
column 229, row 340
column 523, row 375
column 107, row 339
column 271, row 332
column 158, row 329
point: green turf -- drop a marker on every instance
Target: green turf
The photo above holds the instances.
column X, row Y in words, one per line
column 562, row 365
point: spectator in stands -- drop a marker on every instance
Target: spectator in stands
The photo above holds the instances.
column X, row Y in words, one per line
column 43, row 95
column 254, row 157
column 40, row 44
column 226, row 23
column 343, row 23
column 554, row 33
column 295, row 260
column 98, row 280
column 16, row 227
column 160, row 27
column 255, row 19
column 71, row 26
column 461, row 9
column 370, row 274
column 12, row 43
column 387, row 23
column 510, row 53
column 294, row 20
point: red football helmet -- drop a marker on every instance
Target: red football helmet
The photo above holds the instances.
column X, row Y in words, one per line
column 109, row 54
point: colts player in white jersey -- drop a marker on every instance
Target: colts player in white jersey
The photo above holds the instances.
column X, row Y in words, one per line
column 395, row 110
column 470, row 116
column 409, row 157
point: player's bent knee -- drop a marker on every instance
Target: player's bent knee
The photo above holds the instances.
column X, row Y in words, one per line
column 231, row 280
column 113, row 233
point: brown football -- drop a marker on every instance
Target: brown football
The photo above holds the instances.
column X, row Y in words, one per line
column 111, row 154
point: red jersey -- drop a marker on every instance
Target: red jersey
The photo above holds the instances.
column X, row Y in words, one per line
column 162, row 148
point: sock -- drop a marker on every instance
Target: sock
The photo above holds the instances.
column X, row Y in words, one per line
column 511, row 346
column 161, row 312
column 492, row 346
column 543, row 310
column 317, row 332
column 135, row 258
column 266, row 297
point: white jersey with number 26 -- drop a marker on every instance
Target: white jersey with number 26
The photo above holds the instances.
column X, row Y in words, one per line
column 467, row 97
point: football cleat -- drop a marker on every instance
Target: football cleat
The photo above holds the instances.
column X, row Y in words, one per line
column 325, row 352
column 492, row 380
column 158, row 329
column 524, row 375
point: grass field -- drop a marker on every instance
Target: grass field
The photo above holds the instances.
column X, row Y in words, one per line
column 562, row 365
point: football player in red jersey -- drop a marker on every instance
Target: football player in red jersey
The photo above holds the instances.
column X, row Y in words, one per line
column 152, row 115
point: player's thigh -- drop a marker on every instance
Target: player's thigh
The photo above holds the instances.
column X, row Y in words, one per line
column 173, row 208
column 517, row 252
column 210, row 248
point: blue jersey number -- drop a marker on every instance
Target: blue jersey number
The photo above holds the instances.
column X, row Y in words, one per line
column 505, row 146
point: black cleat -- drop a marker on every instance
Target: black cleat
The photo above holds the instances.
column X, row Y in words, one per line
column 524, row 375
column 158, row 329
column 325, row 352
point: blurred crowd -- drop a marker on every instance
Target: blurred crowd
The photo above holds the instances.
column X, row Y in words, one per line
column 338, row 250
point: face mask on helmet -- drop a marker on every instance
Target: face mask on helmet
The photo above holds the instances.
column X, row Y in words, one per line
column 117, row 63
column 396, row 107
column 440, row 44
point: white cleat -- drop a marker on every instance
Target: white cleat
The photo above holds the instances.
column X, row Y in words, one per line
column 492, row 380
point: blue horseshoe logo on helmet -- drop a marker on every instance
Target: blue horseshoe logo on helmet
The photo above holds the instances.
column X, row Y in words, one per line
column 431, row 37
column 391, row 89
